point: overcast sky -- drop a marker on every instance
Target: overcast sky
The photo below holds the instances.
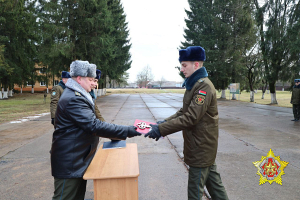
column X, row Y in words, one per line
column 156, row 31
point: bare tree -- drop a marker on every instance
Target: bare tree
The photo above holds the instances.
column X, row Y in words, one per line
column 161, row 81
column 144, row 76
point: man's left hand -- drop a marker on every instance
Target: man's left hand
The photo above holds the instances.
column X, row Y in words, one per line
column 154, row 133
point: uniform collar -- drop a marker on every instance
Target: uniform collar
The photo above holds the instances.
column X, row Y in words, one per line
column 190, row 81
column 61, row 83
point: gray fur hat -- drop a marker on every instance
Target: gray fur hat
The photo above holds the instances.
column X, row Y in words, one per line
column 82, row 68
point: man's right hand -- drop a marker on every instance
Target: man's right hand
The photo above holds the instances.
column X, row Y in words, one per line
column 132, row 132
column 52, row 121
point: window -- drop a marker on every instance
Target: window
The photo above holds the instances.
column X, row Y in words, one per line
column 42, row 83
column 28, row 83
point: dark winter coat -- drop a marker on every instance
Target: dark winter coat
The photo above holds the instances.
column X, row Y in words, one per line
column 77, row 132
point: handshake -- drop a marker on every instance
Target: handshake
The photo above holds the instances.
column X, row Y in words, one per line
column 154, row 132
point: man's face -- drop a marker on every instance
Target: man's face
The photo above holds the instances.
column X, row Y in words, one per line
column 64, row 80
column 188, row 68
column 297, row 83
column 95, row 83
column 86, row 82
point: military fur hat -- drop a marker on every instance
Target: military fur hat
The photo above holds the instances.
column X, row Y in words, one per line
column 82, row 68
column 65, row 74
column 297, row 80
column 98, row 74
column 192, row 53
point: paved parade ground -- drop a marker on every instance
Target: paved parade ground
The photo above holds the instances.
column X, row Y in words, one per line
column 247, row 132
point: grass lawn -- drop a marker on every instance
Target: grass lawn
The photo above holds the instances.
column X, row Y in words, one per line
column 23, row 105
column 27, row 104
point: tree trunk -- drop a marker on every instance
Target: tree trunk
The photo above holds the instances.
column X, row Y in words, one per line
column 273, row 98
column 10, row 94
column 5, row 95
column 252, row 96
column 263, row 96
column 223, row 95
column 32, row 90
column 273, row 93
column 0, row 94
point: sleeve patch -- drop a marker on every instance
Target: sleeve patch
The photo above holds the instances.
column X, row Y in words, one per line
column 200, row 99
column 202, row 92
column 53, row 93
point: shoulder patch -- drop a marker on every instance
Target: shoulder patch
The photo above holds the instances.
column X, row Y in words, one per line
column 77, row 93
column 200, row 99
column 200, row 80
column 53, row 93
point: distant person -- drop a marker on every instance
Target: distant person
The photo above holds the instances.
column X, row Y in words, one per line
column 56, row 93
column 295, row 100
column 198, row 120
column 77, row 132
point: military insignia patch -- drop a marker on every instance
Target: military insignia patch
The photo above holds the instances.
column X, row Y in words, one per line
column 202, row 92
column 53, row 93
column 199, row 100
column 77, row 94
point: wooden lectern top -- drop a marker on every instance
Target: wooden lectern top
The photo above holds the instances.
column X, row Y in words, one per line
column 114, row 163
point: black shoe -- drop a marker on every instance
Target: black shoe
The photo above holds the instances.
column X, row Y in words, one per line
column 295, row 120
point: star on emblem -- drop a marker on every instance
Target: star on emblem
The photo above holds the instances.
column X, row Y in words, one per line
column 270, row 168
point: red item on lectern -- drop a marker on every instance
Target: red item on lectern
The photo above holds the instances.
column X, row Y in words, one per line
column 142, row 126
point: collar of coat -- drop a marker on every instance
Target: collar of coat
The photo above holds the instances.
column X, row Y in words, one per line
column 190, row 81
column 61, row 83
column 73, row 85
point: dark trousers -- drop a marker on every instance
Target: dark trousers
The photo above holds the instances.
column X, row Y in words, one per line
column 69, row 189
column 296, row 111
column 198, row 177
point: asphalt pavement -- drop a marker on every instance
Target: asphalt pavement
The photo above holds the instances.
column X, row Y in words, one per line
column 247, row 132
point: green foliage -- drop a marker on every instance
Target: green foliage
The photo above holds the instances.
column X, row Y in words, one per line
column 278, row 22
column 54, row 33
column 19, row 36
column 225, row 30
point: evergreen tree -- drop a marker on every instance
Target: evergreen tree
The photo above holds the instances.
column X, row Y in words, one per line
column 222, row 28
column 18, row 34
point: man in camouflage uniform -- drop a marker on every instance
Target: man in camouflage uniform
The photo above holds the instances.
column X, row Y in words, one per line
column 56, row 93
column 198, row 120
column 295, row 100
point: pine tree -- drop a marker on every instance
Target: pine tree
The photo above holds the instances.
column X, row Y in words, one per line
column 222, row 28
column 18, row 34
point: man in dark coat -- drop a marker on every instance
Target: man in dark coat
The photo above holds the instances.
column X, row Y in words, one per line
column 295, row 100
column 198, row 120
column 57, row 92
column 77, row 132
